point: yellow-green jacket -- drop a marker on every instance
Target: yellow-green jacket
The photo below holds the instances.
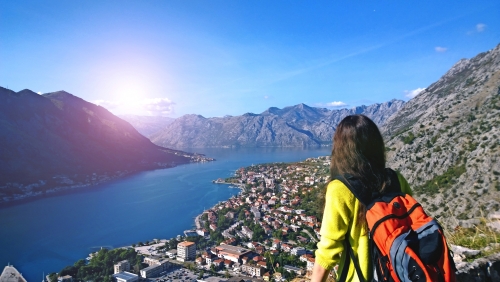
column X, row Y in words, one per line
column 340, row 215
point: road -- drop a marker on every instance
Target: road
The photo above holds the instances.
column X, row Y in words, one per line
column 313, row 238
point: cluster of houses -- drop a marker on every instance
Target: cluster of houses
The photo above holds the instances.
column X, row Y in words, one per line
column 250, row 262
column 272, row 202
column 262, row 202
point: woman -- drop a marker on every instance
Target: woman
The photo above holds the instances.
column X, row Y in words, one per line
column 358, row 150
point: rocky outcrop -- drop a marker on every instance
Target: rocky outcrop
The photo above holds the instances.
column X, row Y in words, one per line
column 485, row 269
column 295, row 126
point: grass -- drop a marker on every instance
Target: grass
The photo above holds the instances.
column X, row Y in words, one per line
column 477, row 238
column 480, row 237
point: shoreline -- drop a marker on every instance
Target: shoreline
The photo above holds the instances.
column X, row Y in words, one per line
column 18, row 199
column 164, row 232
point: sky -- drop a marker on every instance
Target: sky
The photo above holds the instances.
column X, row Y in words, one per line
column 218, row 58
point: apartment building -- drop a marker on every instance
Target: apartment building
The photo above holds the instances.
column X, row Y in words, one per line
column 154, row 270
column 122, row 266
column 253, row 270
column 186, row 251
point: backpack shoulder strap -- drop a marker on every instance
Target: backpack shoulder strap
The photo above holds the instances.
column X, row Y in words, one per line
column 357, row 188
column 349, row 255
column 392, row 182
column 362, row 193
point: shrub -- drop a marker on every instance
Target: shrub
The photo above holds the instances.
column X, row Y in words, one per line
column 471, row 117
column 434, row 138
column 408, row 139
column 443, row 181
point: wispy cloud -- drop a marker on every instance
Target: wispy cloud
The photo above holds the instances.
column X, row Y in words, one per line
column 440, row 49
column 412, row 93
column 155, row 107
column 480, row 27
column 334, row 104
column 159, row 106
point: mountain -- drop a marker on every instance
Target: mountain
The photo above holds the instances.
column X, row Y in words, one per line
column 147, row 125
column 445, row 141
column 294, row 126
column 58, row 138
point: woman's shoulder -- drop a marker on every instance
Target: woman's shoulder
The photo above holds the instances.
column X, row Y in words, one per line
column 339, row 198
column 339, row 190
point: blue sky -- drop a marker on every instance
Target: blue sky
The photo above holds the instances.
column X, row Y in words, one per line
column 218, row 58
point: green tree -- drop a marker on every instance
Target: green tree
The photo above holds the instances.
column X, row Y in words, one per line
column 53, row 277
column 69, row 270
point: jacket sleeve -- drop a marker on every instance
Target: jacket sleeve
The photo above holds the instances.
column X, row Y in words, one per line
column 339, row 207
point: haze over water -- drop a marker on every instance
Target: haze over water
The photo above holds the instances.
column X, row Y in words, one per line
column 50, row 233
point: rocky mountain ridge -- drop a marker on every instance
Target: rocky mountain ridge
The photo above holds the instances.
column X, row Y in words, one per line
column 446, row 141
column 295, row 126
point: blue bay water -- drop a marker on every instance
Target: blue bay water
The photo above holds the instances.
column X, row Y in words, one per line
column 46, row 234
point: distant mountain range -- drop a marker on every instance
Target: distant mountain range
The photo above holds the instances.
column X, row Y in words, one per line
column 57, row 138
column 295, row 126
column 446, row 141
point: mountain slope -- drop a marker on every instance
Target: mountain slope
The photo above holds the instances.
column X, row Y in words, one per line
column 147, row 125
column 294, row 126
column 60, row 136
column 446, row 140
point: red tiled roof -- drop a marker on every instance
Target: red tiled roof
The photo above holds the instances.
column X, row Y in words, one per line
column 186, row 244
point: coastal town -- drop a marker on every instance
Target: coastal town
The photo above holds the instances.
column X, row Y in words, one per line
column 268, row 232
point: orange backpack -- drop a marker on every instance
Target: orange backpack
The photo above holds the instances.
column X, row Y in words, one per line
column 405, row 243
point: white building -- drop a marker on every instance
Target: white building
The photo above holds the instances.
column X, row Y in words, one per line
column 231, row 253
column 253, row 270
column 126, row 277
column 298, row 251
column 154, row 270
column 247, row 232
column 186, row 251
column 123, row 265
column 171, row 253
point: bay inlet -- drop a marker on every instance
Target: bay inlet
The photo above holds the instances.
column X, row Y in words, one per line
column 47, row 234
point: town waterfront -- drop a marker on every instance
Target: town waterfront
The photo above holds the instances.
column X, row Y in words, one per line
column 46, row 234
